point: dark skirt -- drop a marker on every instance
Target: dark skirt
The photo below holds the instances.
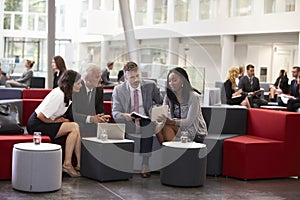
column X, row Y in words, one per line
column 237, row 100
column 50, row 129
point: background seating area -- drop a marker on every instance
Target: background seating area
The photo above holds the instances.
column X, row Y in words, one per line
column 270, row 149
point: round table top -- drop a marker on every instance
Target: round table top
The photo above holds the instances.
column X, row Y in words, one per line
column 187, row 145
column 30, row 146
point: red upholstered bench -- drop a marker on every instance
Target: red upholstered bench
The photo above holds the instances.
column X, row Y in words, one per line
column 269, row 150
column 31, row 100
column 6, row 147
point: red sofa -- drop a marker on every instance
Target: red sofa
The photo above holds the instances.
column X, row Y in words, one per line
column 269, row 150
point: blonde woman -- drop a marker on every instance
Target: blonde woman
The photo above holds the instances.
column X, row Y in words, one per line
column 232, row 97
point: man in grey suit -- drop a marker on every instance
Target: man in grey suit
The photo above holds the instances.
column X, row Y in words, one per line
column 136, row 95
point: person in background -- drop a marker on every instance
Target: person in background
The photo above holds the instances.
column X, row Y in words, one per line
column 2, row 78
column 251, row 87
column 105, row 75
column 280, row 86
column 120, row 76
column 24, row 81
column 294, row 88
column 241, row 71
column 136, row 95
column 293, row 103
column 234, row 97
column 59, row 67
column 48, row 119
column 87, row 104
column 185, row 109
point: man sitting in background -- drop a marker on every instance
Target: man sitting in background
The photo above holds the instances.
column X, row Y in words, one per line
column 250, row 85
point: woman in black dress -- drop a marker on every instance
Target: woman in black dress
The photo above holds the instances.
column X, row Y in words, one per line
column 49, row 119
column 59, row 67
column 232, row 97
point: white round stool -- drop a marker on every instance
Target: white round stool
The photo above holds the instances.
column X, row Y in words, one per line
column 37, row 168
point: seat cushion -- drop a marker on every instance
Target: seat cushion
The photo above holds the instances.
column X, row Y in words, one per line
column 251, row 157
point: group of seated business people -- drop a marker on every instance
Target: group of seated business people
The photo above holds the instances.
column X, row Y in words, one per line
column 247, row 91
column 75, row 107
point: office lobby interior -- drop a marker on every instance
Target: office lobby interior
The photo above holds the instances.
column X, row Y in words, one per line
column 251, row 153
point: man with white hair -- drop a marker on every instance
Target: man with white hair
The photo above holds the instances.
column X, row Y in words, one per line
column 87, row 104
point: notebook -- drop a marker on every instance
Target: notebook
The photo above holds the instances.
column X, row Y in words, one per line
column 114, row 130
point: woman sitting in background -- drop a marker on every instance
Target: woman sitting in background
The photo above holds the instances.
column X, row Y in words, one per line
column 59, row 67
column 48, row 118
column 232, row 97
column 24, row 81
column 280, row 86
column 185, row 109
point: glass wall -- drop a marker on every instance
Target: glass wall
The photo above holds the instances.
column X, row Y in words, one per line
column 240, row 7
column 208, row 9
column 160, row 11
column 277, row 6
column 182, row 10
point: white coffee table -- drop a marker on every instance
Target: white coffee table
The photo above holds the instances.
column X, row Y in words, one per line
column 187, row 164
column 37, row 168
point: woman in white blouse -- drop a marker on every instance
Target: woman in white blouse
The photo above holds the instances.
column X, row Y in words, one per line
column 48, row 118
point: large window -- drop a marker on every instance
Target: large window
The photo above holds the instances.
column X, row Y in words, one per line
column 160, row 11
column 140, row 12
column 13, row 5
column 240, row 7
column 83, row 13
column 208, row 9
column 22, row 48
column 182, row 10
column 276, row 6
column 19, row 16
column 37, row 6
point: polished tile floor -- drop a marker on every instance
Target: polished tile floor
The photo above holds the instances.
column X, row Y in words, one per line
column 139, row 188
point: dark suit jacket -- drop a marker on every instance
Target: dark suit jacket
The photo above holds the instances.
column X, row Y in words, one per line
column 245, row 85
column 284, row 85
column 81, row 106
column 294, row 89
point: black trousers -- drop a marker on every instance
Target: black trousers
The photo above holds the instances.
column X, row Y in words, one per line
column 293, row 105
column 147, row 129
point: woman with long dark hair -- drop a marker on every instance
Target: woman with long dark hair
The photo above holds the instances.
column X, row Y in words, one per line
column 185, row 109
column 59, row 67
column 48, row 118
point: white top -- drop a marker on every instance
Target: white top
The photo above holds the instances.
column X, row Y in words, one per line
column 109, row 141
column 53, row 105
column 30, row 146
column 188, row 145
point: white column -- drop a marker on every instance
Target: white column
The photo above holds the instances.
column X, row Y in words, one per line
column 104, row 53
column 128, row 30
column 50, row 41
column 227, row 46
column 170, row 12
column 173, row 51
column 1, row 27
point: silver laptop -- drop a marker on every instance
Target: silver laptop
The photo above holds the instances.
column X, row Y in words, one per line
column 114, row 130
